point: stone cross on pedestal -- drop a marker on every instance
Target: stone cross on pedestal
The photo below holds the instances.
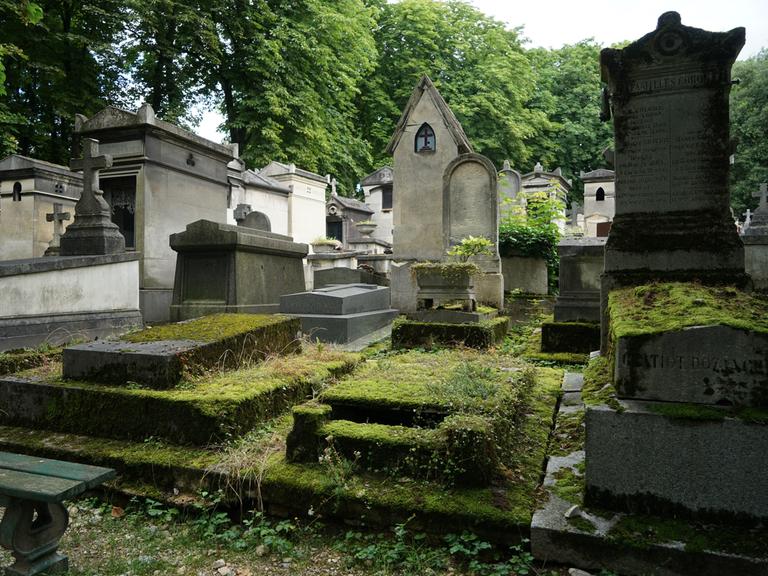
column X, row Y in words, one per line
column 92, row 231
column 58, row 218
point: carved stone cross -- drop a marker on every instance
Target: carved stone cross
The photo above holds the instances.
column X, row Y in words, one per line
column 58, row 218
column 92, row 231
column 92, row 200
column 763, row 195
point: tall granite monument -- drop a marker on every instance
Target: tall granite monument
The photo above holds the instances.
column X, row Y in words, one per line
column 668, row 95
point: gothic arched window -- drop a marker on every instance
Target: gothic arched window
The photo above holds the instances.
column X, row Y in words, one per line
column 600, row 195
column 425, row 139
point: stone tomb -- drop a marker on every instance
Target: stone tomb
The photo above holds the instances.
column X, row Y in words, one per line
column 225, row 268
column 342, row 313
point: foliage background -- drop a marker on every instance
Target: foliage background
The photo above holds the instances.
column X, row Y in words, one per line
column 321, row 83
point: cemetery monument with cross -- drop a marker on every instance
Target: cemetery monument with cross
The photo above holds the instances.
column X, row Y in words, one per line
column 670, row 439
column 95, row 281
column 58, row 217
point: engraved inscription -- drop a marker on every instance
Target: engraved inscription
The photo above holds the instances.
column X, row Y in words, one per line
column 696, row 79
column 665, row 155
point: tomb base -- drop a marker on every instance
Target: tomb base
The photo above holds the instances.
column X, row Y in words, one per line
column 567, row 532
column 451, row 316
column 677, row 459
column 756, row 259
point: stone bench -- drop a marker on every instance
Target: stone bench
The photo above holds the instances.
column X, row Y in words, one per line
column 32, row 491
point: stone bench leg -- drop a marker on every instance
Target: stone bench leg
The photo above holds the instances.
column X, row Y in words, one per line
column 32, row 530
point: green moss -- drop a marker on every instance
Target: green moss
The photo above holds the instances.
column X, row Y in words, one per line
column 582, row 524
column 568, row 435
column 447, row 269
column 164, row 466
column 688, row 411
column 202, row 410
column 569, row 485
column 412, row 334
column 420, row 381
column 206, row 329
column 24, row 359
column 598, row 384
column 375, row 500
column 705, row 413
column 640, row 531
column 655, row 308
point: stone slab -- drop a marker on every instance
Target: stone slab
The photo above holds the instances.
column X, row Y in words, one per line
column 555, row 539
column 576, row 337
column 342, row 329
column 188, row 311
column 158, row 364
column 59, row 329
column 641, row 459
column 337, row 299
column 581, row 263
column 702, row 364
column 573, row 382
column 529, row 275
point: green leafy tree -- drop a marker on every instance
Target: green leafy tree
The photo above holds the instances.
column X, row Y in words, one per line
column 749, row 127
column 61, row 63
column 531, row 230
column 568, row 92
column 477, row 63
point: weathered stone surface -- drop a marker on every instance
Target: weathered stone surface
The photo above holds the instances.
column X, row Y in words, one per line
column 338, row 299
column 576, row 337
column 451, row 316
column 157, row 364
column 581, row 264
column 645, row 460
column 225, row 268
column 669, row 95
column 331, row 276
column 345, row 328
column 556, row 539
column 529, row 275
column 702, row 364
column 341, row 313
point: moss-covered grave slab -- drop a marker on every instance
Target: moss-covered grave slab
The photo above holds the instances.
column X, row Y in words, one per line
column 413, row 334
column 455, row 437
column 200, row 410
column 684, row 342
column 532, row 351
column 159, row 357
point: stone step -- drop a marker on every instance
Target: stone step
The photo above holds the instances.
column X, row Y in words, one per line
column 460, row 450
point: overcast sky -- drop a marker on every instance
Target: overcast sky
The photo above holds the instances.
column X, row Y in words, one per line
column 552, row 23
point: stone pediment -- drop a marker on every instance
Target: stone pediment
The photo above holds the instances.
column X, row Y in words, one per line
column 109, row 117
column 383, row 175
column 425, row 88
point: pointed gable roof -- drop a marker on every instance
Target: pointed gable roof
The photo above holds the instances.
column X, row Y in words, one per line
column 425, row 86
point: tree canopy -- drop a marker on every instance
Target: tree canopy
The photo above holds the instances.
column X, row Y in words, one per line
column 321, row 83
